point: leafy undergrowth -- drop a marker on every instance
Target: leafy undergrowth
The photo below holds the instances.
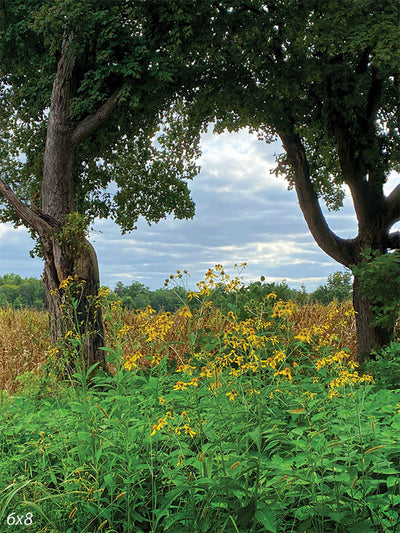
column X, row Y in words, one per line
column 226, row 420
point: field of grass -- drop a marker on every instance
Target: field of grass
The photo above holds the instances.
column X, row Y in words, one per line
column 249, row 418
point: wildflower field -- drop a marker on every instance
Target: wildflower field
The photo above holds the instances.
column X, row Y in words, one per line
column 242, row 416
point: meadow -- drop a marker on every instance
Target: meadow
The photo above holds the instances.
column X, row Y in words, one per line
column 237, row 416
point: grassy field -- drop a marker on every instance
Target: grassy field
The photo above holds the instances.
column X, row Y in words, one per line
column 251, row 418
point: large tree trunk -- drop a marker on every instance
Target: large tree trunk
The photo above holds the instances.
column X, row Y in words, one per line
column 67, row 265
column 72, row 302
column 374, row 221
column 70, row 260
column 369, row 338
column 71, row 270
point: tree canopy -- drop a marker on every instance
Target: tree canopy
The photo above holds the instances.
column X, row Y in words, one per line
column 324, row 78
column 94, row 123
column 85, row 87
column 128, row 86
column 325, row 72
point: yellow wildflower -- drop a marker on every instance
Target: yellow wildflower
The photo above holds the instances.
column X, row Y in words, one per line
column 116, row 305
column 52, row 352
column 131, row 360
column 180, row 385
column 283, row 309
column 65, row 282
column 304, row 336
column 189, row 431
column 271, row 296
column 232, row 395
column 184, row 414
column 310, row 395
column 206, row 372
column 285, row 372
column 279, row 356
column 192, row 294
column 184, row 312
column 123, row 331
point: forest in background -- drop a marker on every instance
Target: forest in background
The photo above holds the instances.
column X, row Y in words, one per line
column 18, row 293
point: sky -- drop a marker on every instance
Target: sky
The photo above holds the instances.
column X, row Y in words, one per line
column 244, row 214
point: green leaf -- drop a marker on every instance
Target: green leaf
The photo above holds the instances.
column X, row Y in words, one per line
column 78, row 407
column 392, row 481
column 84, row 435
column 255, row 436
column 108, row 480
column 266, row 516
column 362, row 527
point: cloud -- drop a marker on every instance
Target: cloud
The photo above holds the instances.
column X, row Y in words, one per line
column 15, row 245
column 243, row 214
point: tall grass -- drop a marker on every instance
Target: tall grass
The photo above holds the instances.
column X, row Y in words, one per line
column 24, row 344
column 209, row 421
column 25, row 339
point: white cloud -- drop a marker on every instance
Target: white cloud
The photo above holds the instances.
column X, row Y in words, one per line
column 243, row 214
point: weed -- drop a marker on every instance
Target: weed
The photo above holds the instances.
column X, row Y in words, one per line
column 231, row 420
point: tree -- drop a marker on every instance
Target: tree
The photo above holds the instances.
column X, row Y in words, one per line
column 134, row 296
column 17, row 292
column 324, row 77
column 338, row 287
column 84, row 88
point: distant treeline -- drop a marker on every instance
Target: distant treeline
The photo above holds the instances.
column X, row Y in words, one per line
column 18, row 292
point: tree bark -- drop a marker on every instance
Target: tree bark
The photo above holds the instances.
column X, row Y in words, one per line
column 374, row 219
column 73, row 305
column 369, row 338
column 70, row 264
column 67, row 265
column 341, row 250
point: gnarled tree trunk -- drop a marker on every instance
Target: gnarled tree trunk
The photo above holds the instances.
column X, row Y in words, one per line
column 69, row 261
column 369, row 337
column 67, row 267
column 73, row 304
column 373, row 218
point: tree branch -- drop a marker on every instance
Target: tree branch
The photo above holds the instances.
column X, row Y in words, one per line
column 393, row 205
column 41, row 223
column 362, row 65
column 374, row 96
column 342, row 250
column 90, row 124
column 393, row 240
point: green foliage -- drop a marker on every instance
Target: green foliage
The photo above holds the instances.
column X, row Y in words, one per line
column 338, row 286
column 320, row 69
column 29, row 292
column 17, row 292
column 385, row 366
column 133, row 296
column 138, row 296
column 379, row 277
column 74, row 233
column 251, row 296
column 291, row 445
column 273, row 459
column 139, row 161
